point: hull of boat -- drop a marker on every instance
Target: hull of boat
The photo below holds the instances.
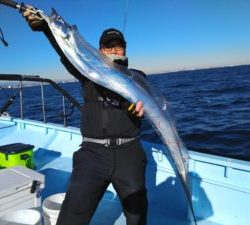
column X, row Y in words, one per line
column 220, row 186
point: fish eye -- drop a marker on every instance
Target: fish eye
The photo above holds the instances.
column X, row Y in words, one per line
column 67, row 36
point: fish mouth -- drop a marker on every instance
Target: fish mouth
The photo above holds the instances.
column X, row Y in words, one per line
column 64, row 29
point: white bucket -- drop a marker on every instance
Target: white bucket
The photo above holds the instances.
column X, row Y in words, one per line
column 22, row 217
column 51, row 207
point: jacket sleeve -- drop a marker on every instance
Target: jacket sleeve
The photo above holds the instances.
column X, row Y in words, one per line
column 140, row 72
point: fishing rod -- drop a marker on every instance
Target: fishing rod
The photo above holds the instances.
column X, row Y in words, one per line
column 125, row 16
column 21, row 7
column 8, row 103
column 2, row 38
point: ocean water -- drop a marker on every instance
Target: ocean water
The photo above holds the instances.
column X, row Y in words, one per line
column 211, row 108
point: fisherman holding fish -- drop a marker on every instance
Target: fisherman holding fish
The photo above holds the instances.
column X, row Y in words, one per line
column 110, row 151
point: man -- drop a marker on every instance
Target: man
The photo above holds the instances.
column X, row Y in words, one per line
column 110, row 151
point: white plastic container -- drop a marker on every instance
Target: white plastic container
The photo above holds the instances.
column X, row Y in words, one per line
column 20, row 188
column 51, row 207
column 22, row 217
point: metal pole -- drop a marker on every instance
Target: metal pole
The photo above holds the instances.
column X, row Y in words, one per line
column 21, row 99
column 64, row 113
column 43, row 105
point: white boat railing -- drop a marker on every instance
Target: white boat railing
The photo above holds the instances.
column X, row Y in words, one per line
column 21, row 78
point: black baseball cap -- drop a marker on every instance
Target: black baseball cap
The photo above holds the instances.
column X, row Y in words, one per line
column 111, row 34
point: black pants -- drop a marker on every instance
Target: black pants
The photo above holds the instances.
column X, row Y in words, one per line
column 94, row 168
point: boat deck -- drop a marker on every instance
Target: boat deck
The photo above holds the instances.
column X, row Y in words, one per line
column 220, row 186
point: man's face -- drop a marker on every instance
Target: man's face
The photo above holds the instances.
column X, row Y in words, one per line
column 113, row 47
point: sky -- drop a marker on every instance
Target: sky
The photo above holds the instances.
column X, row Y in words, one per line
column 162, row 35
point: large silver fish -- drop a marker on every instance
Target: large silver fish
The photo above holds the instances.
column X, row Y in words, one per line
column 130, row 85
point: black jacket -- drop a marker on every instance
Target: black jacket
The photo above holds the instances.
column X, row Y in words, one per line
column 104, row 113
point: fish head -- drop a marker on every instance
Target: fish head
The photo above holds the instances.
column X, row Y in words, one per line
column 59, row 26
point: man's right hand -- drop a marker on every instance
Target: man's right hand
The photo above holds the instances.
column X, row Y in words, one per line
column 34, row 20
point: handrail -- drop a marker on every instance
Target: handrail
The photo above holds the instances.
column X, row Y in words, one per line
column 21, row 78
column 36, row 78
